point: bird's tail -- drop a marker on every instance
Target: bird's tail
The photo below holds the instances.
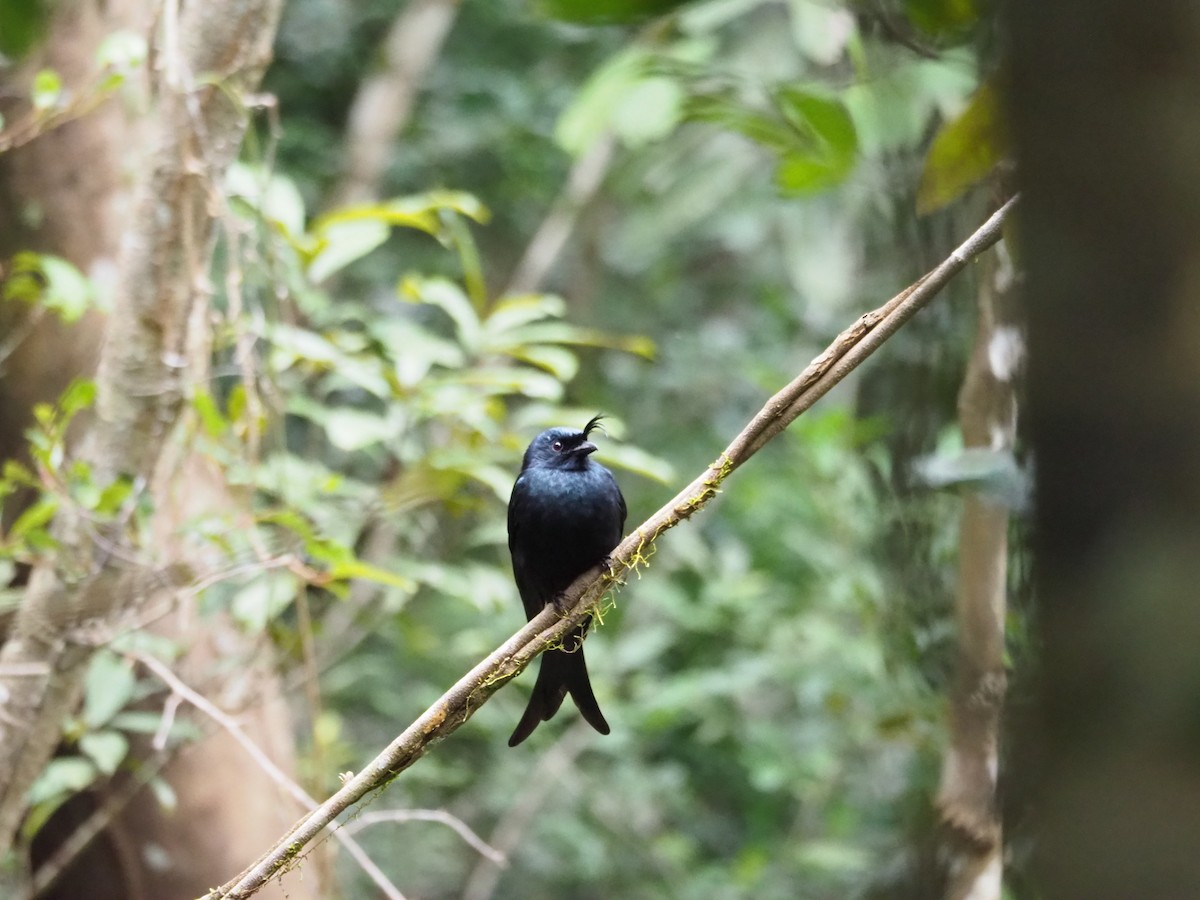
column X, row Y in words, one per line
column 562, row 673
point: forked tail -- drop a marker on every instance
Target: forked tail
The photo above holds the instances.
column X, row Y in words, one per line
column 561, row 673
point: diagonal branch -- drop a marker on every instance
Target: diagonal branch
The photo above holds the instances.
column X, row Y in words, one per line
column 229, row 724
column 547, row 628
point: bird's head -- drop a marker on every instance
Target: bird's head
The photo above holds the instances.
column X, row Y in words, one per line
column 562, row 448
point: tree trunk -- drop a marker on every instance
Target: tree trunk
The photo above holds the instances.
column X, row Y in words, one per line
column 68, row 193
column 967, row 794
column 1105, row 104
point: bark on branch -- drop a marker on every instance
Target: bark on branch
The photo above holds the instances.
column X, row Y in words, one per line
column 213, row 55
column 546, row 629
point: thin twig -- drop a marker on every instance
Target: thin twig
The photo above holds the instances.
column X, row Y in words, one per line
column 461, row 828
column 276, row 774
column 547, row 628
column 541, row 782
column 52, row 869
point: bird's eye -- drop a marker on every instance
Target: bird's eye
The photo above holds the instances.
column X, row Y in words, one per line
column 557, row 445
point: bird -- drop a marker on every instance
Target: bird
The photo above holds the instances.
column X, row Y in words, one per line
column 565, row 516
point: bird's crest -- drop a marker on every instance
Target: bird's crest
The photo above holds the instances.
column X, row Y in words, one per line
column 593, row 424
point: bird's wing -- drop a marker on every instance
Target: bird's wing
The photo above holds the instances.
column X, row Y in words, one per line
column 515, row 501
column 522, row 566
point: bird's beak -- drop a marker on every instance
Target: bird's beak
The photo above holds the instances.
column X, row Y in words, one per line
column 585, row 448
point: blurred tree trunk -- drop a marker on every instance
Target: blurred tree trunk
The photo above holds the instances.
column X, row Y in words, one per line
column 384, row 101
column 967, row 794
column 1105, row 103
column 68, row 193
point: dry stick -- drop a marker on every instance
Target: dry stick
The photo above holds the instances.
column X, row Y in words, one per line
column 227, row 722
column 547, row 628
column 461, row 828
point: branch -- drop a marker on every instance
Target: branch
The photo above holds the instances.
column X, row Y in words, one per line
column 225, row 721
column 385, row 99
column 544, row 248
column 461, row 828
column 549, row 626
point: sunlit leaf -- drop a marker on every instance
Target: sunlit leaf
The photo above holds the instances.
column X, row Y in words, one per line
column 562, row 364
column 521, row 309
column 356, row 568
column 122, row 51
column 275, row 197
column 343, row 242
column 37, row 515
column 419, row 211
column 79, row 395
column 964, row 151
column 451, row 299
column 648, row 111
column 67, row 292
column 211, row 419
column 353, row 429
column 263, row 599
column 46, row 90
column 589, row 114
column 821, row 31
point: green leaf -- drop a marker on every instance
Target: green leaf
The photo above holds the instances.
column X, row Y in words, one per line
column 521, row 309
column 591, row 113
column 46, row 90
column 730, row 112
column 943, row 18
column 344, row 242
column 113, row 497
column 211, row 419
column 648, row 111
column 562, row 364
column 964, row 152
column 24, row 23
column 137, row 721
column 107, row 749
column 108, row 687
column 450, row 298
column 830, row 138
column 79, row 395
column 353, row 429
column 419, row 211
column 68, row 293
column 356, row 568
column 607, row 12
column 122, row 51
column 62, row 776
column 275, row 197
column 164, row 794
column 263, row 599
column 33, row 518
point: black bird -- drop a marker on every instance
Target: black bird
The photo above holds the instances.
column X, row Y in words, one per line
column 565, row 515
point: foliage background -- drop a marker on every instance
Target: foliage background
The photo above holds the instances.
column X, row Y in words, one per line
column 776, row 679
